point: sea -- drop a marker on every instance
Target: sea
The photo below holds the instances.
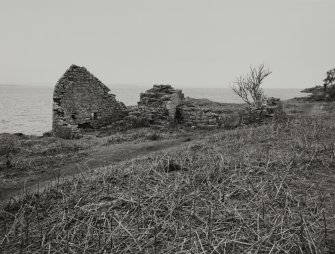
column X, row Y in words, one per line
column 27, row 109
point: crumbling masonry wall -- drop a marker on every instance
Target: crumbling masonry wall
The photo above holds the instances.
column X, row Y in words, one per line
column 210, row 118
column 191, row 115
column 157, row 106
column 82, row 102
column 162, row 102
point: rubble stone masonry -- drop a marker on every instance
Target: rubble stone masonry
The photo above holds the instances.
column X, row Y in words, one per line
column 83, row 102
column 162, row 102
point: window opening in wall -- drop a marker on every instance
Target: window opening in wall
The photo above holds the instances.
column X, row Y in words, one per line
column 94, row 116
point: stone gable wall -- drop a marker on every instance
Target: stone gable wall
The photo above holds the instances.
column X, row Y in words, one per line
column 81, row 101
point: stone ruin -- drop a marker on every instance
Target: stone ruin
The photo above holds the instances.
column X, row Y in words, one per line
column 157, row 107
column 274, row 107
column 194, row 116
column 83, row 103
column 162, row 102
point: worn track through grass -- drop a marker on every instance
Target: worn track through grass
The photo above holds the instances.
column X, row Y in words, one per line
column 101, row 157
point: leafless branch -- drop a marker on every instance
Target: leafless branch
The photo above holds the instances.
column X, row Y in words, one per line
column 249, row 89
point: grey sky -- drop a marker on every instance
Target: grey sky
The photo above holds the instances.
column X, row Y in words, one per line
column 202, row 43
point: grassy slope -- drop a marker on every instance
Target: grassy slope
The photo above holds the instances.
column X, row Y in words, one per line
column 258, row 189
column 36, row 159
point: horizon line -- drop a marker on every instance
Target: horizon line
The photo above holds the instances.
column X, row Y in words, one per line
column 47, row 85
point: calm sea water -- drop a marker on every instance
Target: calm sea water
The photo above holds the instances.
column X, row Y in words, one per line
column 28, row 109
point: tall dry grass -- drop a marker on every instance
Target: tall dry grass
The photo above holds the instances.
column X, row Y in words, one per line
column 266, row 189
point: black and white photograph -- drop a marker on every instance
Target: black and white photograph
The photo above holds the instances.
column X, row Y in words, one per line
column 167, row 126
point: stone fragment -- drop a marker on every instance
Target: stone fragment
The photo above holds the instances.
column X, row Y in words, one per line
column 274, row 107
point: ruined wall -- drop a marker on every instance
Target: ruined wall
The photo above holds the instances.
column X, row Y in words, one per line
column 82, row 102
column 160, row 104
column 157, row 106
column 191, row 115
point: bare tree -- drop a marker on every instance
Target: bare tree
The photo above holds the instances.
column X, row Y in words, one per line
column 249, row 87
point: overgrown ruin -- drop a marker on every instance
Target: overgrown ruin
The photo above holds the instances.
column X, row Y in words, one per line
column 83, row 103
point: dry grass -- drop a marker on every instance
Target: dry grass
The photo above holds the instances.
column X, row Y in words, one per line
column 32, row 156
column 267, row 189
column 138, row 135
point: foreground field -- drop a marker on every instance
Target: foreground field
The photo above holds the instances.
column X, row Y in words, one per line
column 38, row 160
column 263, row 189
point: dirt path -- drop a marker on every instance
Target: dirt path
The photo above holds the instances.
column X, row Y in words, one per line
column 103, row 156
column 312, row 108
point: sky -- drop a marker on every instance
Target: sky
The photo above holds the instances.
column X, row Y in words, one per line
column 186, row 43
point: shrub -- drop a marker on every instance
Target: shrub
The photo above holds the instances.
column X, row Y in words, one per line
column 248, row 87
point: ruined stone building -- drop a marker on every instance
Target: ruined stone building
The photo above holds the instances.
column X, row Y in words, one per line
column 82, row 102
